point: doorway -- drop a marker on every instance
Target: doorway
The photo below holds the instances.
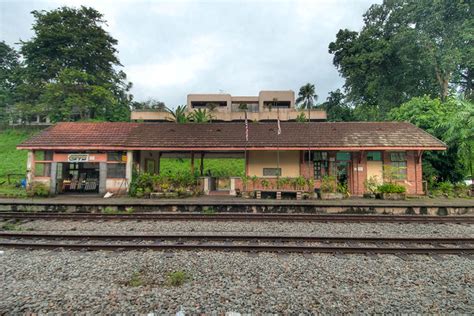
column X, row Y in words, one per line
column 78, row 177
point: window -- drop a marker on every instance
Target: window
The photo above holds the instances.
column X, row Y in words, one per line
column 343, row 156
column 321, row 164
column 374, row 156
column 277, row 104
column 42, row 169
column 205, row 104
column 150, row 166
column 116, row 156
column 115, row 170
column 43, row 155
column 399, row 165
column 271, row 172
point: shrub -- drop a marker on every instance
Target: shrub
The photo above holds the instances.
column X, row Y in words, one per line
column 446, row 187
column 461, row 190
column 391, row 188
column 371, row 184
column 177, row 278
column 342, row 188
column 39, row 189
column 310, row 184
column 300, row 182
column 265, row 183
column 328, row 184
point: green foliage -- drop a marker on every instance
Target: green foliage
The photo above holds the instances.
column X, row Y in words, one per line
column 391, row 188
column 405, row 49
column 328, row 184
column 38, row 190
column 301, row 118
column 451, row 121
column 209, row 210
column 449, row 190
column 9, row 79
column 179, row 114
column 336, row 108
column 177, row 278
column 299, row 182
column 70, row 69
column 265, row 183
column 342, row 188
column 136, row 280
column 11, row 227
column 307, row 96
column 371, row 184
column 200, row 116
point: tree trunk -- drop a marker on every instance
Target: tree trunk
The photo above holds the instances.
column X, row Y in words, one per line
column 443, row 81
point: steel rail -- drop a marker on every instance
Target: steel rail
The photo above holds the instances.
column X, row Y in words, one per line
column 467, row 219
column 244, row 237
column 246, row 248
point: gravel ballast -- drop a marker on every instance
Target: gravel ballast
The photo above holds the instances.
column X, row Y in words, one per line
column 100, row 282
column 295, row 228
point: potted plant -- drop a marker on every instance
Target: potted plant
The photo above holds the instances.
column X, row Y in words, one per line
column 371, row 185
column 391, row 191
column 265, row 183
column 329, row 189
column 254, row 180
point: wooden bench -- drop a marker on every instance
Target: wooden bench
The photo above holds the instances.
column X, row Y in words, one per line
column 258, row 193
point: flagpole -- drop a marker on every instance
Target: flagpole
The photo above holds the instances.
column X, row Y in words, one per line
column 278, row 143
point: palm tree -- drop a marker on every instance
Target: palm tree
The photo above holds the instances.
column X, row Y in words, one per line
column 307, row 97
column 200, row 116
column 179, row 114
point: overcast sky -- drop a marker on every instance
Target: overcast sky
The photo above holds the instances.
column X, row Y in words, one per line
column 172, row 48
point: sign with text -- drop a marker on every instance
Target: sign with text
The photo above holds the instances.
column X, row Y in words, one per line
column 78, row 157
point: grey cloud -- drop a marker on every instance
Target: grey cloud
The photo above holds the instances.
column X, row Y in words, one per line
column 240, row 47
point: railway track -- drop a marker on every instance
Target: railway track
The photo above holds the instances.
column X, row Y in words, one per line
column 464, row 219
column 251, row 243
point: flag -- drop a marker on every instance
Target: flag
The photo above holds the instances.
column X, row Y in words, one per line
column 278, row 122
column 246, row 128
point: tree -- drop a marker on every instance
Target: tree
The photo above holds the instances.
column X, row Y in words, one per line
column 307, row 97
column 178, row 114
column 336, row 108
column 405, row 49
column 74, row 96
column 71, row 43
column 451, row 121
column 10, row 68
column 150, row 104
column 200, row 116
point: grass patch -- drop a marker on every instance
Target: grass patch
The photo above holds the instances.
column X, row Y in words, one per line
column 225, row 167
column 136, row 280
column 115, row 211
column 209, row 210
column 11, row 227
column 178, row 278
column 13, row 161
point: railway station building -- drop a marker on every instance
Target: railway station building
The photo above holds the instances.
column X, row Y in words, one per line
column 101, row 157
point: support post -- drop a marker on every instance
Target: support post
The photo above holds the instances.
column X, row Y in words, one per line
column 129, row 168
column 102, row 177
column 52, row 182
column 30, row 169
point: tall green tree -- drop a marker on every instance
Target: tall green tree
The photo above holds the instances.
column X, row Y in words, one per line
column 307, row 97
column 72, row 43
column 406, row 48
column 10, row 78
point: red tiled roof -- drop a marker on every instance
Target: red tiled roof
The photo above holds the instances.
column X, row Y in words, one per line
column 231, row 136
